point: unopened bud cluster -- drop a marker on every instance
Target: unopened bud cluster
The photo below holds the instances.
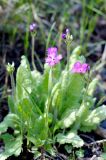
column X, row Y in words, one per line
column 10, row 68
column 67, row 37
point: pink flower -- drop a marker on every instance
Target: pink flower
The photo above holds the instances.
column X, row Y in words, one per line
column 53, row 58
column 80, row 68
column 32, row 27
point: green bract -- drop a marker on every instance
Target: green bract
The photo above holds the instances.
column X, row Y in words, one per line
column 50, row 107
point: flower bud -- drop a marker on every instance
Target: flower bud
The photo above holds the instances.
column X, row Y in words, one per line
column 10, row 68
column 32, row 27
column 67, row 37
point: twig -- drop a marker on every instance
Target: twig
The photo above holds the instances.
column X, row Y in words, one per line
column 93, row 157
column 47, row 156
column 96, row 142
column 86, row 136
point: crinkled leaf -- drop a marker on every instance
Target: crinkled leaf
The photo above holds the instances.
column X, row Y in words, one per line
column 71, row 90
column 11, row 120
column 38, row 132
column 68, row 118
column 75, row 56
column 23, row 79
column 13, row 146
column 71, row 138
column 94, row 118
column 36, row 77
column 92, row 86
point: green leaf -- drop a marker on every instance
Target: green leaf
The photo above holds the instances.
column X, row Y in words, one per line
column 71, row 89
column 23, row 79
column 36, row 77
column 68, row 118
column 71, row 138
column 13, row 146
column 103, row 155
column 75, row 56
column 27, row 109
column 11, row 104
column 94, row 118
column 92, row 86
column 68, row 148
column 11, row 120
column 35, row 151
column 80, row 153
column 38, row 132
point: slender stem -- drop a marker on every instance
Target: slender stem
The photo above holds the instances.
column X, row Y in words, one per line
column 12, row 85
column 50, row 81
column 68, row 55
column 13, row 91
column 32, row 55
column 49, row 97
column 35, row 54
column 39, row 61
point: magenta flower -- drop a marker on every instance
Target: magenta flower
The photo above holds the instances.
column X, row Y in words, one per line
column 53, row 58
column 32, row 27
column 80, row 68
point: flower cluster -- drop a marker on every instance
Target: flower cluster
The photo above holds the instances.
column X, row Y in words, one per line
column 53, row 58
column 32, row 27
column 67, row 37
column 80, row 68
column 64, row 35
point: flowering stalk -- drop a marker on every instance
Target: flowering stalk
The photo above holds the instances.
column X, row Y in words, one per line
column 50, row 83
column 68, row 39
column 10, row 70
column 12, row 84
column 52, row 59
column 33, row 34
column 32, row 55
column 81, row 68
column 68, row 55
